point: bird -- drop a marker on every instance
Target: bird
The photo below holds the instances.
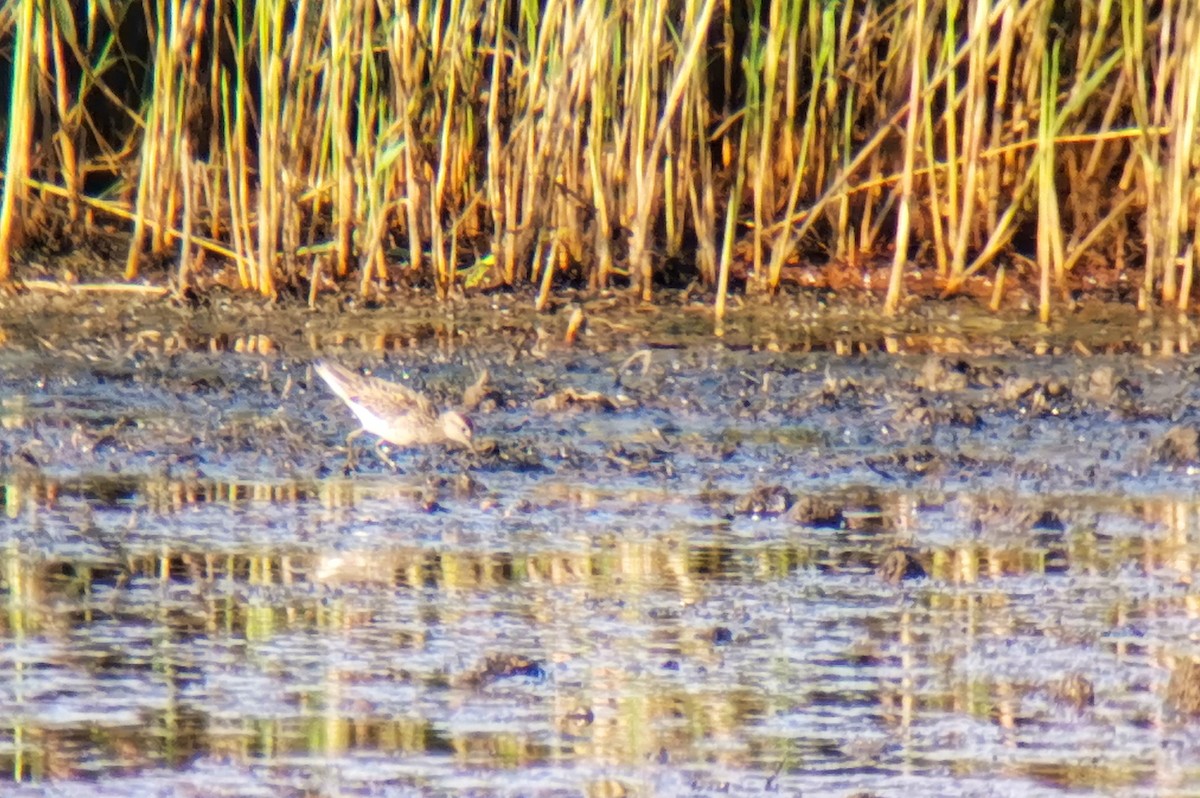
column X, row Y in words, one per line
column 393, row 412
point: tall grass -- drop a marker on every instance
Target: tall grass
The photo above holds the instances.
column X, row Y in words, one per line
column 303, row 145
column 29, row 31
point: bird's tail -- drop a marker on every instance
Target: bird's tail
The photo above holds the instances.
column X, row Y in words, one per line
column 339, row 378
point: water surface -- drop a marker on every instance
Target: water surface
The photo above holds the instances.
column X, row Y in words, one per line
column 673, row 591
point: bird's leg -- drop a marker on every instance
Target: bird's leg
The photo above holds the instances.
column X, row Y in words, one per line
column 385, row 457
column 351, row 460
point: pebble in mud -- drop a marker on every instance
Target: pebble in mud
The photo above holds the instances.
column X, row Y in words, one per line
column 482, row 395
column 721, row 636
column 1179, row 446
column 921, row 413
column 766, row 501
column 942, row 376
column 462, row 486
column 914, row 464
column 817, row 512
column 641, row 459
column 1105, row 388
column 520, row 456
column 503, row 666
column 898, row 566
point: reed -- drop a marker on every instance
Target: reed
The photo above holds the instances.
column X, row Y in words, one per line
column 304, row 146
column 20, row 129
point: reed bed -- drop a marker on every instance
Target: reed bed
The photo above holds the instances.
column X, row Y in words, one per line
column 307, row 145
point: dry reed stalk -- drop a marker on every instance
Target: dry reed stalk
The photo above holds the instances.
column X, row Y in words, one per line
column 273, row 121
column 974, row 107
column 502, row 241
column 1186, row 268
column 445, row 99
column 702, row 196
column 726, row 261
column 30, row 30
column 598, row 152
column 190, row 211
column 65, row 138
column 822, row 45
column 59, row 287
column 639, row 256
column 167, row 114
column 762, row 60
column 1088, row 74
column 386, row 99
column 1183, row 154
column 949, row 262
column 338, row 106
column 903, row 217
column 238, row 184
column 1133, row 29
column 407, row 72
column 640, row 103
column 1049, row 232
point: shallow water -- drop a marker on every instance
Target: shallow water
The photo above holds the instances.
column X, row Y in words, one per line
column 676, row 596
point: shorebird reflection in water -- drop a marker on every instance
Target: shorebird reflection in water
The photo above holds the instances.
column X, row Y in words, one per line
column 395, row 413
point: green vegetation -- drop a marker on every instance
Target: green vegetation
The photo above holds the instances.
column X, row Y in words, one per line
column 300, row 146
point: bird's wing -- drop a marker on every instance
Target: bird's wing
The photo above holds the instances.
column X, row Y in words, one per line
column 381, row 396
column 397, row 398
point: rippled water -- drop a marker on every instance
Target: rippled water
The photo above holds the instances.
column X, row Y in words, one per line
column 678, row 596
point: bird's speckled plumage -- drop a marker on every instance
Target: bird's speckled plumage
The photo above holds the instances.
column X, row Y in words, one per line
column 394, row 412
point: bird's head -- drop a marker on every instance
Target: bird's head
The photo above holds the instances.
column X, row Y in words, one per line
column 458, row 428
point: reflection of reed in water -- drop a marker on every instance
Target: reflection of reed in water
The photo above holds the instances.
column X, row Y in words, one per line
column 1183, row 688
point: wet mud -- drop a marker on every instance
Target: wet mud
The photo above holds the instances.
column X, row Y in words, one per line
column 819, row 553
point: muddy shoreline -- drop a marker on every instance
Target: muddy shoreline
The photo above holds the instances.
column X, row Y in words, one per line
column 829, row 540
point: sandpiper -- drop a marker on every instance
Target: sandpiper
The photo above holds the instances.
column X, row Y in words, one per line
column 395, row 413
